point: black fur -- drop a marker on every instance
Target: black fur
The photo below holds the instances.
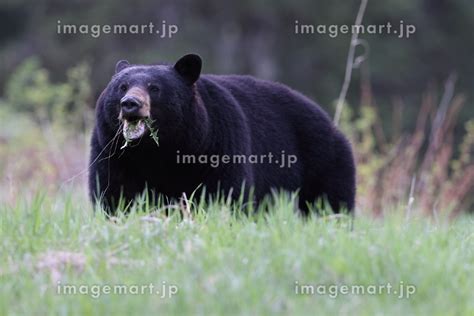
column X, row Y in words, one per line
column 218, row 115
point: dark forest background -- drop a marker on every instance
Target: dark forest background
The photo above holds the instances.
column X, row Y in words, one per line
column 253, row 37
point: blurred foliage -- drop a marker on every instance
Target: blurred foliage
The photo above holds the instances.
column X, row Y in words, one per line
column 30, row 90
column 431, row 175
column 42, row 139
column 466, row 150
column 359, row 127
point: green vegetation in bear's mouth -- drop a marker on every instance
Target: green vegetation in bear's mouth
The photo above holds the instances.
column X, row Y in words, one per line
column 153, row 132
column 136, row 129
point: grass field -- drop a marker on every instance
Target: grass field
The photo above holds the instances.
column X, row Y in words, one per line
column 217, row 261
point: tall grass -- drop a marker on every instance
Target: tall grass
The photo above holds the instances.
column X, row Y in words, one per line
column 223, row 261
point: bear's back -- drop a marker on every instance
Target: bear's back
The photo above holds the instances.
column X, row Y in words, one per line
column 270, row 108
column 257, row 96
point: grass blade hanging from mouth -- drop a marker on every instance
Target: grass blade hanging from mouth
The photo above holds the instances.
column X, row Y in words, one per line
column 153, row 133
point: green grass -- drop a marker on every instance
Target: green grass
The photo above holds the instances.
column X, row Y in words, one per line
column 226, row 263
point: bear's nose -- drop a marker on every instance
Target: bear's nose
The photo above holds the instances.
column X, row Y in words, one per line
column 130, row 105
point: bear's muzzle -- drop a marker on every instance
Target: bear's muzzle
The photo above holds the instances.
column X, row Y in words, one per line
column 134, row 109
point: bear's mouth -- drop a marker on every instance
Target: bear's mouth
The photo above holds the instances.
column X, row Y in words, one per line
column 135, row 129
column 135, row 113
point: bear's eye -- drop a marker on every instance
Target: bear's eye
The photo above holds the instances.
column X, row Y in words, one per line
column 153, row 88
column 123, row 87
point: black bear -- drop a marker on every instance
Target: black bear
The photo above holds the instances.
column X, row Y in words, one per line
column 226, row 133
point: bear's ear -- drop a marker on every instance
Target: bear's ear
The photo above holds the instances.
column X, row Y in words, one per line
column 121, row 65
column 189, row 67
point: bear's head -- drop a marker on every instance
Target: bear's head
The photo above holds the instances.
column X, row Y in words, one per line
column 140, row 94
